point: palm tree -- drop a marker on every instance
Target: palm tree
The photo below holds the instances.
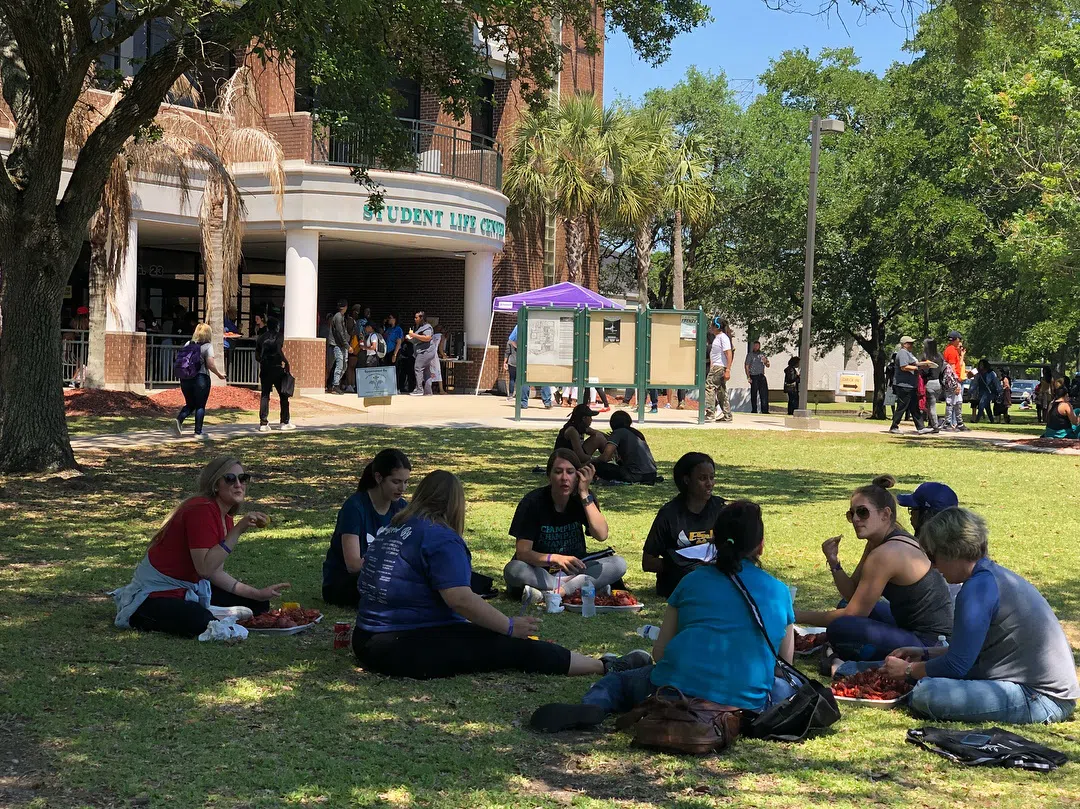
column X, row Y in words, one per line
column 687, row 194
column 235, row 133
column 566, row 160
column 144, row 157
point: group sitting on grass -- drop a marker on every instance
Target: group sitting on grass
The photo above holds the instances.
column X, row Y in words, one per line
column 621, row 457
column 1063, row 416
column 407, row 570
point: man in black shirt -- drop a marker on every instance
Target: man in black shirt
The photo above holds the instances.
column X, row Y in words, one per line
column 549, row 528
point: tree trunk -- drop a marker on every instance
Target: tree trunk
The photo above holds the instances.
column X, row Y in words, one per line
column 677, row 263
column 215, row 281
column 33, row 429
column 879, row 358
column 575, row 247
column 95, row 361
column 643, row 255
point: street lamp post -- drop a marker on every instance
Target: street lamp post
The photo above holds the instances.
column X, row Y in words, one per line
column 829, row 126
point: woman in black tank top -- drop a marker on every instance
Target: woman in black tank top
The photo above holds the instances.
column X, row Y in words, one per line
column 578, row 436
column 918, row 609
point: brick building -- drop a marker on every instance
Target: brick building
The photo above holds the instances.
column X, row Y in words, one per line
column 440, row 245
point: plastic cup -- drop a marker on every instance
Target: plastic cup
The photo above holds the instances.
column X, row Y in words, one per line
column 793, row 590
column 554, row 602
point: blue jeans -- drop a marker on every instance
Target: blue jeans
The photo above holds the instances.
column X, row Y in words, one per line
column 620, row 691
column 196, row 393
column 339, row 365
column 526, row 392
column 981, row 702
column 985, row 406
column 654, row 396
column 873, row 637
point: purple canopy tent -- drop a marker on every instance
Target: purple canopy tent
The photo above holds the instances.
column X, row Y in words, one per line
column 566, row 295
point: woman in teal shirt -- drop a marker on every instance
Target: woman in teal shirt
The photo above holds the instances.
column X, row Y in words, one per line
column 709, row 645
column 1062, row 421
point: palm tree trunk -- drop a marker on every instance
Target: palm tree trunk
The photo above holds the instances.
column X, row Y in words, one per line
column 575, row 247
column 643, row 254
column 95, row 360
column 215, row 280
column 677, row 262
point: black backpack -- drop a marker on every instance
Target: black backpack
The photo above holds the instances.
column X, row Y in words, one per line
column 990, row 747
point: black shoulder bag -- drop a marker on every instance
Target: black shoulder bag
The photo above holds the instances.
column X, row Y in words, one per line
column 812, row 706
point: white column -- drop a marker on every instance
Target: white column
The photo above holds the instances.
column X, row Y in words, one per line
column 121, row 316
column 477, row 297
column 301, row 282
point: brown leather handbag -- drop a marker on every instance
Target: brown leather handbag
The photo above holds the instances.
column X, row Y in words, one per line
column 674, row 723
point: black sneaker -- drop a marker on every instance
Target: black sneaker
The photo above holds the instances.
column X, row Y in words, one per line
column 558, row 716
column 632, row 660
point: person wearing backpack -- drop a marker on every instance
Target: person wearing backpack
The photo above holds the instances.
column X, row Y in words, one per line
column 932, row 379
column 273, row 370
column 710, row 647
column 371, row 345
column 987, row 391
column 193, row 365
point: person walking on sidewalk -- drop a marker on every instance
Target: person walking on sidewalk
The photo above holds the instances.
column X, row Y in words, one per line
column 339, row 342
column 755, row 366
column 196, row 388
column 932, row 379
column 510, row 364
column 791, row 385
column 904, row 383
column 273, row 368
column 955, row 353
column 427, row 357
column 720, row 356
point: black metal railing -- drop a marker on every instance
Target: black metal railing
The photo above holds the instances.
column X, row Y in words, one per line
column 446, row 151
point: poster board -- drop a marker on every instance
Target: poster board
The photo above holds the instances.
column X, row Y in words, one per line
column 850, row 383
column 549, row 347
column 612, row 347
column 673, row 348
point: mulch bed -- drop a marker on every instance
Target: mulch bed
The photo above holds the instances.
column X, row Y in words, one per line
column 222, row 397
column 81, row 402
column 1049, row 443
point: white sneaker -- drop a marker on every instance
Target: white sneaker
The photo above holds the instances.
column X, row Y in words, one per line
column 530, row 596
column 202, row 436
column 288, row 426
column 177, row 428
column 417, row 393
column 264, row 428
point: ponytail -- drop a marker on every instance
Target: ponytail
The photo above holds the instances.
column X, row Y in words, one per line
column 737, row 535
column 620, row 420
column 384, row 463
column 878, row 493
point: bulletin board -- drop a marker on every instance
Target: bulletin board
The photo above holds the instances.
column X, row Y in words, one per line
column 549, row 346
column 612, row 347
column 673, row 350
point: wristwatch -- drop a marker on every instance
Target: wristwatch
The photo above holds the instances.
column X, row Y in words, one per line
column 836, row 567
column 588, row 499
column 907, row 670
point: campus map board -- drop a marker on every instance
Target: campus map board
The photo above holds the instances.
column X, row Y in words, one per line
column 549, row 346
column 673, row 347
column 612, row 347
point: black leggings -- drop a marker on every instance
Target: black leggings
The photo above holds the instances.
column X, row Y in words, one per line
column 605, row 470
column 342, row 592
column 196, row 392
column 445, row 651
column 188, row 619
column 272, row 377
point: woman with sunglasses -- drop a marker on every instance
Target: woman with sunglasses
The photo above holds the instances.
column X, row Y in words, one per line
column 893, row 565
column 183, row 572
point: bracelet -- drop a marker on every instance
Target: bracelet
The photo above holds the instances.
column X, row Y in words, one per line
column 510, row 628
column 548, row 562
column 837, row 568
column 225, row 547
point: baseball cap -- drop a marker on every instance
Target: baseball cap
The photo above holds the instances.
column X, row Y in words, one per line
column 906, row 339
column 82, row 310
column 582, row 410
column 934, row 496
column 955, row 335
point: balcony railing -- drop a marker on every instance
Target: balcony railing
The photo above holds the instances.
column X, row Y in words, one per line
column 74, row 349
column 447, row 151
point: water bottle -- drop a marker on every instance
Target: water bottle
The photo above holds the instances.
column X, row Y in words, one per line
column 649, row 632
column 588, row 600
column 943, row 641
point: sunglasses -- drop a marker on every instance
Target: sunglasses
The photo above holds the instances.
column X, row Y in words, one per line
column 231, row 479
column 862, row 512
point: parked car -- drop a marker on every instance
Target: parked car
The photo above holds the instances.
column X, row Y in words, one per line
column 1023, row 392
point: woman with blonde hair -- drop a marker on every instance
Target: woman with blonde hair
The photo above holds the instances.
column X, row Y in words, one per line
column 419, row 617
column 183, row 572
column 893, row 565
column 195, row 362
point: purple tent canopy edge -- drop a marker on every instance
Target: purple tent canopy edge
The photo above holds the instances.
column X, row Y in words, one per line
column 565, row 294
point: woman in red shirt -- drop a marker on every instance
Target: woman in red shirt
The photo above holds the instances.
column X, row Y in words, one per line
column 192, row 546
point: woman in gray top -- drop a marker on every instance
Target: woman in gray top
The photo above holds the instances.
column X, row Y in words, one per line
column 1009, row 660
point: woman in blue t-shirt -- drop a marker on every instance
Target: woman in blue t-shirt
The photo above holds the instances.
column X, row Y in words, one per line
column 419, row 617
column 377, row 499
column 710, row 646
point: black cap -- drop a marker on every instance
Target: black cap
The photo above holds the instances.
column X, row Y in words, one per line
column 955, row 335
column 582, row 410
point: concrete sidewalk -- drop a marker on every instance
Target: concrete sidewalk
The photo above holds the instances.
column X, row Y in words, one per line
column 487, row 412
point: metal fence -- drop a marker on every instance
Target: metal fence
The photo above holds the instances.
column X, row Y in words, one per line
column 447, row 151
column 241, row 369
column 74, row 350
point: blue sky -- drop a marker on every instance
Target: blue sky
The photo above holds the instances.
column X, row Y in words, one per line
column 743, row 37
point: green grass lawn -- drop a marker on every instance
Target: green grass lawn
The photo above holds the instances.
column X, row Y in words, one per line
column 114, row 718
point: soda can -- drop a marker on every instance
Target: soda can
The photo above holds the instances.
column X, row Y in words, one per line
column 342, row 634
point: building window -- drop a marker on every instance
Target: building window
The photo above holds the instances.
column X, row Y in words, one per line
column 107, row 74
column 409, row 106
column 483, row 117
column 556, row 36
column 551, row 226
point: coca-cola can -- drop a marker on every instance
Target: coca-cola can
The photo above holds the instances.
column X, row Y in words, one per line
column 342, row 634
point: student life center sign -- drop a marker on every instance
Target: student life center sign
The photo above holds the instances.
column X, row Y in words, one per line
column 444, row 219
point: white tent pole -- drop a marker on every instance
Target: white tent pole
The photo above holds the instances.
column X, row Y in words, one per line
column 491, row 323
